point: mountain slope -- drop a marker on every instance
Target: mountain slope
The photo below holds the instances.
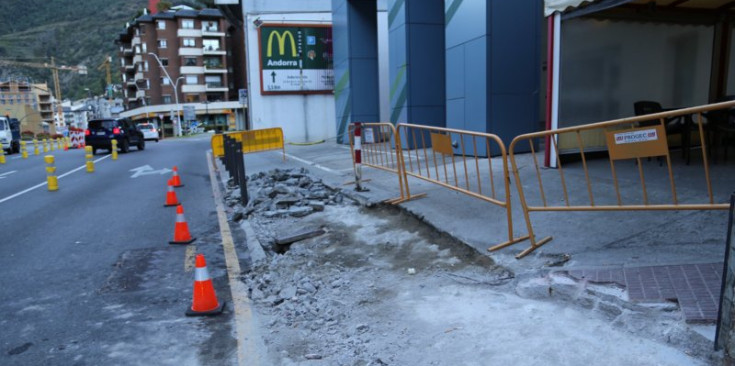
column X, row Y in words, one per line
column 74, row 32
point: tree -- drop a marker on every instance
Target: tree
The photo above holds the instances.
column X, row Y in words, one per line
column 163, row 6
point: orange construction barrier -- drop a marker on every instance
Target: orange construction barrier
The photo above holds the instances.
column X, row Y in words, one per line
column 204, row 300
column 175, row 179
column 171, row 199
column 181, row 229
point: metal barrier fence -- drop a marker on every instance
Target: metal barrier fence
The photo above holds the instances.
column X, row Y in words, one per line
column 252, row 141
column 454, row 156
column 377, row 149
column 622, row 139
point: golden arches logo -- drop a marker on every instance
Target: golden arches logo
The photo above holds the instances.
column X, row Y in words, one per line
column 281, row 38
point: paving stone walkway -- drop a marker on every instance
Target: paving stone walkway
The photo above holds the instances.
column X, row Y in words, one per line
column 696, row 287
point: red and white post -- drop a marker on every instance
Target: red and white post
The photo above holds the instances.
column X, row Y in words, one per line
column 358, row 157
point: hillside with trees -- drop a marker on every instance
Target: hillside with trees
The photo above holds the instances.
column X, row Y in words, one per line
column 74, row 32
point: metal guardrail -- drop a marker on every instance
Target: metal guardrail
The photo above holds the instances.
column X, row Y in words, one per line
column 625, row 140
column 454, row 156
column 252, row 141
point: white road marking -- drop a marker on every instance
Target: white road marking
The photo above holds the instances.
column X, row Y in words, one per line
column 147, row 170
column 4, row 175
column 249, row 343
column 315, row 165
column 44, row 183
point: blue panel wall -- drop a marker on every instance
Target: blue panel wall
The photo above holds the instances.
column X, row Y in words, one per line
column 355, row 63
column 493, row 66
column 513, row 52
column 417, row 63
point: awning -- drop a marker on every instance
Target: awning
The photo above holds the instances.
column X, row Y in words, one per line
column 583, row 7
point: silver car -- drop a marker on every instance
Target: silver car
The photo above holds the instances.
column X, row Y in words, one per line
column 150, row 132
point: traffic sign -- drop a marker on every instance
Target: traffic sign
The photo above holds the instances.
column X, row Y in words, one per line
column 243, row 94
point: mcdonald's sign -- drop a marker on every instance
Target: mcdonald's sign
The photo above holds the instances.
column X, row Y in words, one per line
column 281, row 38
column 296, row 58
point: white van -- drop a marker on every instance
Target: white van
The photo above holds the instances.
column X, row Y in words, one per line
column 6, row 135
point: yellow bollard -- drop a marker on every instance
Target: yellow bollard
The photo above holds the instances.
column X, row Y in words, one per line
column 51, row 181
column 58, row 144
column 114, row 149
column 23, row 150
column 88, row 155
column 45, row 145
column 35, row 147
column 2, row 155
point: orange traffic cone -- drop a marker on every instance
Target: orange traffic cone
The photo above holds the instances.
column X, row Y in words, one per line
column 205, row 299
column 171, row 199
column 176, row 180
column 181, row 229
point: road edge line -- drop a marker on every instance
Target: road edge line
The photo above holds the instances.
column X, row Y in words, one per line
column 246, row 336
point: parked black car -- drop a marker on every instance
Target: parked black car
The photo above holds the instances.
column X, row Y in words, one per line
column 100, row 133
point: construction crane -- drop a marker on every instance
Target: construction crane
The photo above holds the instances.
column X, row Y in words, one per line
column 82, row 70
column 106, row 65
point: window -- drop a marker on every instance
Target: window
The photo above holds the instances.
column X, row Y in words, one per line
column 190, row 61
column 147, row 100
column 147, row 84
column 166, row 99
column 142, row 29
column 145, row 66
column 164, row 61
column 211, row 44
column 145, row 48
column 213, row 81
column 161, row 24
column 164, row 81
column 189, row 42
column 161, row 43
column 137, row 49
column 192, row 79
column 187, row 23
column 210, row 26
column 213, row 62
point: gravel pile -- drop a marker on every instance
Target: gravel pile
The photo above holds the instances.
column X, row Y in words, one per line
column 283, row 193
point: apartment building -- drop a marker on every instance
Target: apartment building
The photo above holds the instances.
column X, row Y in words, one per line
column 178, row 58
column 29, row 102
column 171, row 50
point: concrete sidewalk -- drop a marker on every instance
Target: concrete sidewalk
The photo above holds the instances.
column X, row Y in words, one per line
column 601, row 247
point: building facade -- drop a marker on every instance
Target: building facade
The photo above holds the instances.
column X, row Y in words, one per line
column 177, row 58
column 31, row 103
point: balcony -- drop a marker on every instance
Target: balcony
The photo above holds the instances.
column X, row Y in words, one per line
column 189, row 33
column 140, row 94
column 190, row 51
column 192, row 70
column 127, row 51
column 138, row 76
column 136, row 41
column 216, row 87
column 212, row 31
column 129, row 67
column 137, row 59
column 193, row 88
column 215, row 69
column 212, row 50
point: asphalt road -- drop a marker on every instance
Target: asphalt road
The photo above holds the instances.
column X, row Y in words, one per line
column 88, row 275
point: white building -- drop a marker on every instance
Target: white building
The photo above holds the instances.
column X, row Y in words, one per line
column 289, row 94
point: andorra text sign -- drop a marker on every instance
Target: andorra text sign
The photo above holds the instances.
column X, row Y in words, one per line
column 295, row 58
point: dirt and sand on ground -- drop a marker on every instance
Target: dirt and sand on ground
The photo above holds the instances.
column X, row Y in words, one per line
column 380, row 287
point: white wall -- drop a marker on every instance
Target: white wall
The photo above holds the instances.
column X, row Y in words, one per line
column 606, row 66
column 304, row 118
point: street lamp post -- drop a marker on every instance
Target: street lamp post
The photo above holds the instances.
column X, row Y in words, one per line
column 176, row 92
